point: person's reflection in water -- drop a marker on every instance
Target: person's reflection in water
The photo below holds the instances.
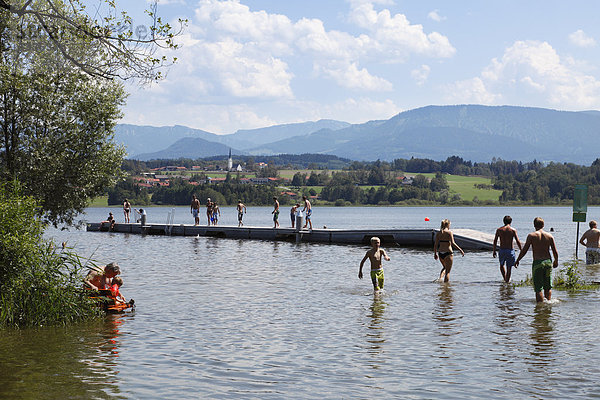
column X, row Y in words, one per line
column 111, row 335
column 507, row 307
column 542, row 354
column 444, row 313
column 375, row 336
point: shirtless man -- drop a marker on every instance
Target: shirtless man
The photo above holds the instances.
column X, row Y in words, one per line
column 591, row 240
column 506, row 234
column 541, row 269
column 195, row 210
column 275, row 213
column 101, row 277
column 308, row 209
column 241, row 209
column 375, row 254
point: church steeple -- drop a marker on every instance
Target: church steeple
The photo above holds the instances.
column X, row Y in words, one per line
column 229, row 161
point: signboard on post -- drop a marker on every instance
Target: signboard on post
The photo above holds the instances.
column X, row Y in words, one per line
column 580, row 203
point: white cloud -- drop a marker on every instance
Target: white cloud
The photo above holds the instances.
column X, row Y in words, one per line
column 231, row 53
column 351, row 77
column 245, row 53
column 435, row 16
column 580, row 39
column 421, row 74
column 530, row 70
column 394, row 34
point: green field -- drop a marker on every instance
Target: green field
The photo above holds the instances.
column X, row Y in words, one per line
column 101, row 201
column 465, row 186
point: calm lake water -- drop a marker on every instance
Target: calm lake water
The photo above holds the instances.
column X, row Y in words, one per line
column 221, row 318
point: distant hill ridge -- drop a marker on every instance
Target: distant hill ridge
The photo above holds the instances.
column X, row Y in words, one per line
column 474, row 132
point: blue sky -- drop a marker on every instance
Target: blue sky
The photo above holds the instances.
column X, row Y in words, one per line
column 252, row 63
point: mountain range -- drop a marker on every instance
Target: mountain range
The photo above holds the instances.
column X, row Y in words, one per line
column 473, row 132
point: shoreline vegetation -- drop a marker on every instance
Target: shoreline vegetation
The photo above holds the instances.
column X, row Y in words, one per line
column 40, row 283
column 567, row 278
column 414, row 182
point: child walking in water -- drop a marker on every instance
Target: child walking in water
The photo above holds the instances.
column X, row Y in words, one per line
column 375, row 254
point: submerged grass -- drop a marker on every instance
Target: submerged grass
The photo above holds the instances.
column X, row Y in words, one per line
column 568, row 278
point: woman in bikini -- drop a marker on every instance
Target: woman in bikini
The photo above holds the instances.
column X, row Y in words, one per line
column 442, row 248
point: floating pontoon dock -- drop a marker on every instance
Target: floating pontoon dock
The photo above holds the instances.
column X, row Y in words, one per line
column 465, row 238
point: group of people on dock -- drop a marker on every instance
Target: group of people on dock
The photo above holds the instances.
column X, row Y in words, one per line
column 213, row 212
column 110, row 221
column 541, row 242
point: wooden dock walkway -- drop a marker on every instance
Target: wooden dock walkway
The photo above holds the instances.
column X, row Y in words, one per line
column 465, row 238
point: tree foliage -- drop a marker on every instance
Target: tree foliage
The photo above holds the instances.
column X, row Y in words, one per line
column 56, row 125
column 39, row 284
column 103, row 45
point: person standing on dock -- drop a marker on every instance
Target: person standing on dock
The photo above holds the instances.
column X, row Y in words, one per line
column 275, row 213
column 507, row 256
column 241, row 209
column 541, row 269
column 591, row 240
column 442, row 249
column 126, row 210
column 216, row 213
column 208, row 210
column 293, row 214
column 195, row 210
column 308, row 209
column 375, row 255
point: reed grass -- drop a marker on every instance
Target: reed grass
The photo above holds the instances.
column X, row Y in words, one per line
column 39, row 284
column 568, row 278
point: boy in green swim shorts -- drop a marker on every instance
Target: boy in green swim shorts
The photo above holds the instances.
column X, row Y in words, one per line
column 375, row 255
column 541, row 242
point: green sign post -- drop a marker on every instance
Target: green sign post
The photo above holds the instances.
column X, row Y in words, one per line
column 579, row 210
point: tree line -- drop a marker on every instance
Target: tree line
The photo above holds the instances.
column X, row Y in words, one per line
column 381, row 182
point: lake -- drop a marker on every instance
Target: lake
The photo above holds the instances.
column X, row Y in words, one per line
column 223, row 318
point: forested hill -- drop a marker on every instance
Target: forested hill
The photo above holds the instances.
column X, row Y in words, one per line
column 473, row 132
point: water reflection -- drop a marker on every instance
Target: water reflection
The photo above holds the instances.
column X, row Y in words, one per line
column 444, row 311
column 75, row 362
column 507, row 307
column 542, row 336
column 375, row 332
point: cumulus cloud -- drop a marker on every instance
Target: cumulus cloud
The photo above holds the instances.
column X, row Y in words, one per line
column 245, row 53
column 352, row 77
column 435, row 16
column 534, row 69
column 421, row 74
column 580, row 39
column 396, row 36
column 232, row 56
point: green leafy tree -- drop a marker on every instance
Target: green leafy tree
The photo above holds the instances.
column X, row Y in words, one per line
column 56, row 125
column 72, row 34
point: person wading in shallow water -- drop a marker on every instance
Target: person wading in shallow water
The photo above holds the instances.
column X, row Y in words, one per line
column 506, row 234
column 591, row 240
column 541, row 269
column 442, row 249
